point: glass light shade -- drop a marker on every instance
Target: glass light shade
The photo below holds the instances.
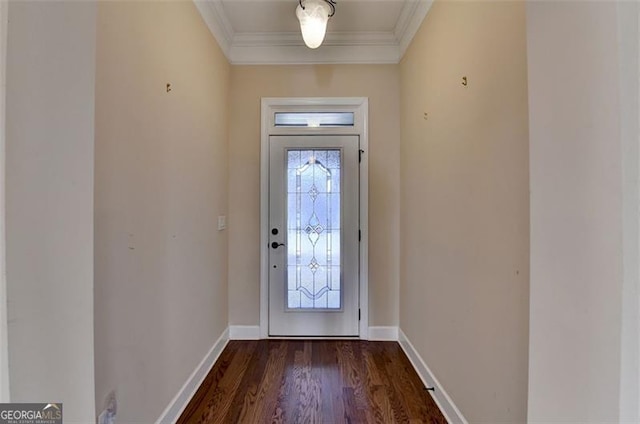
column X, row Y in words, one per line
column 313, row 21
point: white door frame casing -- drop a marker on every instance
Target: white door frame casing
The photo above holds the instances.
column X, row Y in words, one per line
column 360, row 107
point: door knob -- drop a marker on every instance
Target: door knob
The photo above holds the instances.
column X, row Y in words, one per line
column 275, row 244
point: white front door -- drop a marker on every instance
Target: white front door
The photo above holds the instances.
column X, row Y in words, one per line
column 313, row 235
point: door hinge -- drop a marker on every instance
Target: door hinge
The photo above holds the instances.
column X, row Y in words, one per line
column 360, row 152
column 359, row 235
column 359, row 315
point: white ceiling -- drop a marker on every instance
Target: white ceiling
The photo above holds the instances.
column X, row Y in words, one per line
column 267, row 31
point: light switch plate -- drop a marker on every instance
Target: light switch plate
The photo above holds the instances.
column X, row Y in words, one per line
column 222, row 223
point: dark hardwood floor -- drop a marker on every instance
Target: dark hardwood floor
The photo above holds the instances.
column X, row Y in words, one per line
column 312, row 381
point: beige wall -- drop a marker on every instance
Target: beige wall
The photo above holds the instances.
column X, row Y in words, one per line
column 584, row 213
column 248, row 84
column 49, row 177
column 161, row 181
column 465, row 205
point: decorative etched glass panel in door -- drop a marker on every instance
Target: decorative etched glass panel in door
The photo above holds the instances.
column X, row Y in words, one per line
column 313, row 229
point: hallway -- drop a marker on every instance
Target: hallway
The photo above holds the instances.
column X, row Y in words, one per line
column 502, row 237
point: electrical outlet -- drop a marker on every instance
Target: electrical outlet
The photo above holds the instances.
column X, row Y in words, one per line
column 108, row 415
column 103, row 418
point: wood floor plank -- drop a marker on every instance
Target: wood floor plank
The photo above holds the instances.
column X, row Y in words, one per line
column 312, row 381
column 286, row 402
column 306, row 388
column 272, row 377
column 248, row 388
column 332, row 381
column 352, row 376
column 382, row 410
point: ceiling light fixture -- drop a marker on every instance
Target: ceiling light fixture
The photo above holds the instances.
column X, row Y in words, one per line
column 313, row 16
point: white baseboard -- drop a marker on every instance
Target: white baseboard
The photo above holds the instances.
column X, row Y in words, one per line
column 446, row 405
column 188, row 390
column 244, row 332
column 252, row 332
column 383, row 333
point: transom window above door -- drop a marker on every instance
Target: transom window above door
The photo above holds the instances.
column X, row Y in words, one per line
column 314, row 119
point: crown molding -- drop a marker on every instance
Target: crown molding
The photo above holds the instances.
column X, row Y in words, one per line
column 214, row 16
column 411, row 17
column 301, row 55
column 260, row 39
column 288, row 47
